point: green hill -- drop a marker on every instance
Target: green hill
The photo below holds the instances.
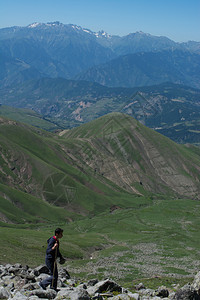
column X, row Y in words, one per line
column 96, row 165
column 123, row 193
column 137, row 158
column 27, row 116
column 46, row 166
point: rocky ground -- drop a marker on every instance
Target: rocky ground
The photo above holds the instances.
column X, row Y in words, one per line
column 19, row 282
column 148, row 259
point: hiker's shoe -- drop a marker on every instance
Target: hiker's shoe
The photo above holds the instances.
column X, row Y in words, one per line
column 42, row 286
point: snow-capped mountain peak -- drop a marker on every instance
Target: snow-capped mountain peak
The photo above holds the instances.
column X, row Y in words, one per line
column 49, row 24
column 102, row 33
column 33, row 25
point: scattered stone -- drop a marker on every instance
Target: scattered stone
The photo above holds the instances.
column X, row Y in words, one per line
column 162, row 292
column 19, row 296
column 40, row 293
column 73, row 294
column 187, row 292
column 4, row 294
column 126, row 297
column 41, row 269
column 196, row 282
column 139, row 286
column 104, row 286
column 92, row 282
column 19, row 282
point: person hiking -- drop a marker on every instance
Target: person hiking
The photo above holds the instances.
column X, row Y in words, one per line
column 52, row 252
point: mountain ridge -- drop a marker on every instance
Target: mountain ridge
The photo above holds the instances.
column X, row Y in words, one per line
column 147, row 68
column 59, row 50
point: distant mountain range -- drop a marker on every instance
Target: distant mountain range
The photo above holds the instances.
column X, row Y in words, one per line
column 70, row 75
column 148, row 68
column 58, row 50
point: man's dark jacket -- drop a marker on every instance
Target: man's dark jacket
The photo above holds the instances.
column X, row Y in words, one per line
column 52, row 254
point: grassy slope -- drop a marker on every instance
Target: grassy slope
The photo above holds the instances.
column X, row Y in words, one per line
column 36, row 164
column 156, row 238
column 160, row 162
column 27, row 116
column 149, row 236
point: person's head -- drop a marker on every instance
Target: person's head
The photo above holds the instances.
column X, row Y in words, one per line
column 59, row 233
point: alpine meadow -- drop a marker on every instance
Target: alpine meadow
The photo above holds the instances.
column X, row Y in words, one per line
column 100, row 136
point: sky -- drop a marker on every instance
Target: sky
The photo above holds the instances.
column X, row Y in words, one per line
column 179, row 20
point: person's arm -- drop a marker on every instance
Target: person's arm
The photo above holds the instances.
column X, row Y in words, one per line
column 59, row 254
column 51, row 246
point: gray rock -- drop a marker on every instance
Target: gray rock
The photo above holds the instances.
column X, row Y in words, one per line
column 162, row 292
column 64, row 273
column 30, row 287
column 75, row 294
column 17, row 265
column 71, row 282
column 41, row 269
column 196, row 282
column 140, row 286
column 10, row 286
column 82, row 286
column 19, row 296
column 97, row 297
column 104, row 286
column 92, row 282
column 42, row 277
column 49, row 293
column 4, row 294
column 135, row 296
column 126, row 297
column 148, row 292
column 186, row 293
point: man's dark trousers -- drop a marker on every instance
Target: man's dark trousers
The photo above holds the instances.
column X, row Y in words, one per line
column 53, row 278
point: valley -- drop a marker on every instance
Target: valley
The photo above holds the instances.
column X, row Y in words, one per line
column 100, row 135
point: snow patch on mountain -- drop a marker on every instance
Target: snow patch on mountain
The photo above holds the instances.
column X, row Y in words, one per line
column 102, row 34
column 36, row 24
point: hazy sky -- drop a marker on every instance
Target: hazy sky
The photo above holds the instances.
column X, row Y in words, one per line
column 177, row 19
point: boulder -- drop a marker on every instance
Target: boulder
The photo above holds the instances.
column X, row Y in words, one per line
column 104, row 286
column 64, row 273
column 92, row 282
column 19, row 296
column 148, row 292
column 47, row 294
column 140, row 286
column 73, row 294
column 30, row 287
column 4, row 294
column 41, row 269
column 129, row 296
column 187, row 292
column 196, row 282
column 162, row 292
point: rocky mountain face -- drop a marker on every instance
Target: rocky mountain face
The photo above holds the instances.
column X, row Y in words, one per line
column 58, row 50
column 147, row 68
column 55, row 50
